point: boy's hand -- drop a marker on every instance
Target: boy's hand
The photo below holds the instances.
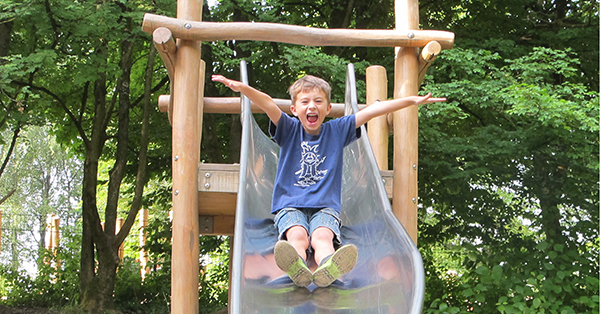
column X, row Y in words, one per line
column 427, row 99
column 234, row 85
column 389, row 106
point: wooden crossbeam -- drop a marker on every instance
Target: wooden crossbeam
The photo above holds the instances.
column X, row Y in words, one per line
column 231, row 105
column 293, row 34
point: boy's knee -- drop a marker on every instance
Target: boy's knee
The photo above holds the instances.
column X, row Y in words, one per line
column 296, row 233
column 321, row 235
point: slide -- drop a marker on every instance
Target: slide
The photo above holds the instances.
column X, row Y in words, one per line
column 388, row 277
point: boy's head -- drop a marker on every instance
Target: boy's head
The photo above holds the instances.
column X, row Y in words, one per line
column 311, row 102
column 308, row 83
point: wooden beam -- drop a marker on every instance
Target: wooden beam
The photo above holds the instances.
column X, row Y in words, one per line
column 166, row 47
column 377, row 128
column 217, row 225
column 426, row 58
column 118, row 227
column 186, row 156
column 144, row 269
column 231, row 105
column 406, row 122
column 167, row 50
column 218, row 177
column 299, row 35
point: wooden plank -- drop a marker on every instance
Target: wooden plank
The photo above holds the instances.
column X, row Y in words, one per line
column 217, row 203
column 299, row 35
column 218, row 177
column 217, row 225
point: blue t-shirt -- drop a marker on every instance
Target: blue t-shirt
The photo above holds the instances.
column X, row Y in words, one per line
column 309, row 173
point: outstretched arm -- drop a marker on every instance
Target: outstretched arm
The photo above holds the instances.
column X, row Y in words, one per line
column 387, row 106
column 262, row 100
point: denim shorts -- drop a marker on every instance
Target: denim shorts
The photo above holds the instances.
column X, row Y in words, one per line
column 310, row 219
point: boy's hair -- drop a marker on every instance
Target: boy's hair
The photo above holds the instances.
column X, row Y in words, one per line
column 308, row 83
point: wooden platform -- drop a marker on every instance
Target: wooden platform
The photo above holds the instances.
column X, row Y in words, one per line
column 217, row 196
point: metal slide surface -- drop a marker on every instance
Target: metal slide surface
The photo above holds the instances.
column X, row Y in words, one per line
column 388, row 277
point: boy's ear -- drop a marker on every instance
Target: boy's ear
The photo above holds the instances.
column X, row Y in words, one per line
column 293, row 110
column 329, row 107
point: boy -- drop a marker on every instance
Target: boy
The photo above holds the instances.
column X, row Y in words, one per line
column 308, row 183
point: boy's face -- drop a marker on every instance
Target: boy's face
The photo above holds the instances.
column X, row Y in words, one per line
column 311, row 107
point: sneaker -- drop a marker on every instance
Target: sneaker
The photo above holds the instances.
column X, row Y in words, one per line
column 336, row 265
column 292, row 264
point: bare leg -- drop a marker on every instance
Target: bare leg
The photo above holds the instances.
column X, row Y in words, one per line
column 298, row 237
column 387, row 269
column 258, row 266
column 322, row 243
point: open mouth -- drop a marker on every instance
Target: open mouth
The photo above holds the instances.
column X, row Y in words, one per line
column 312, row 117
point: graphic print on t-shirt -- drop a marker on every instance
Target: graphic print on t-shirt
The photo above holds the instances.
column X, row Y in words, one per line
column 308, row 173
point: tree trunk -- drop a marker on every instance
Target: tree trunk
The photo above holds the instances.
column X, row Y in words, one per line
column 5, row 30
column 91, row 298
column 550, row 182
column 97, row 286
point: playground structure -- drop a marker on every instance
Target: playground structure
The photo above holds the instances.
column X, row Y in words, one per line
column 204, row 196
column 52, row 237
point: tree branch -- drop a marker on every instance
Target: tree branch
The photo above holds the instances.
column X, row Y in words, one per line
column 154, row 89
column 83, row 101
column 141, row 176
column 63, row 105
column 11, row 148
column 118, row 171
column 7, row 196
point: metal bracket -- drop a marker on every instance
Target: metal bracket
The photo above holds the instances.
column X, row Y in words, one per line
column 206, row 224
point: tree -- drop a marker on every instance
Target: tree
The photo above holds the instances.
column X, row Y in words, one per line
column 46, row 180
column 508, row 175
column 106, row 67
column 509, row 169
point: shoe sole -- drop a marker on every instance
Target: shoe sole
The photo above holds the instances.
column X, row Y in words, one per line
column 341, row 263
column 291, row 263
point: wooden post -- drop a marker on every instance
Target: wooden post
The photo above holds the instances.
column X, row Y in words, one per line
column 52, row 237
column 118, row 227
column 49, row 236
column 143, row 256
column 56, row 240
column 186, row 156
column 406, row 123
column 55, row 232
column 377, row 128
column 200, row 110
